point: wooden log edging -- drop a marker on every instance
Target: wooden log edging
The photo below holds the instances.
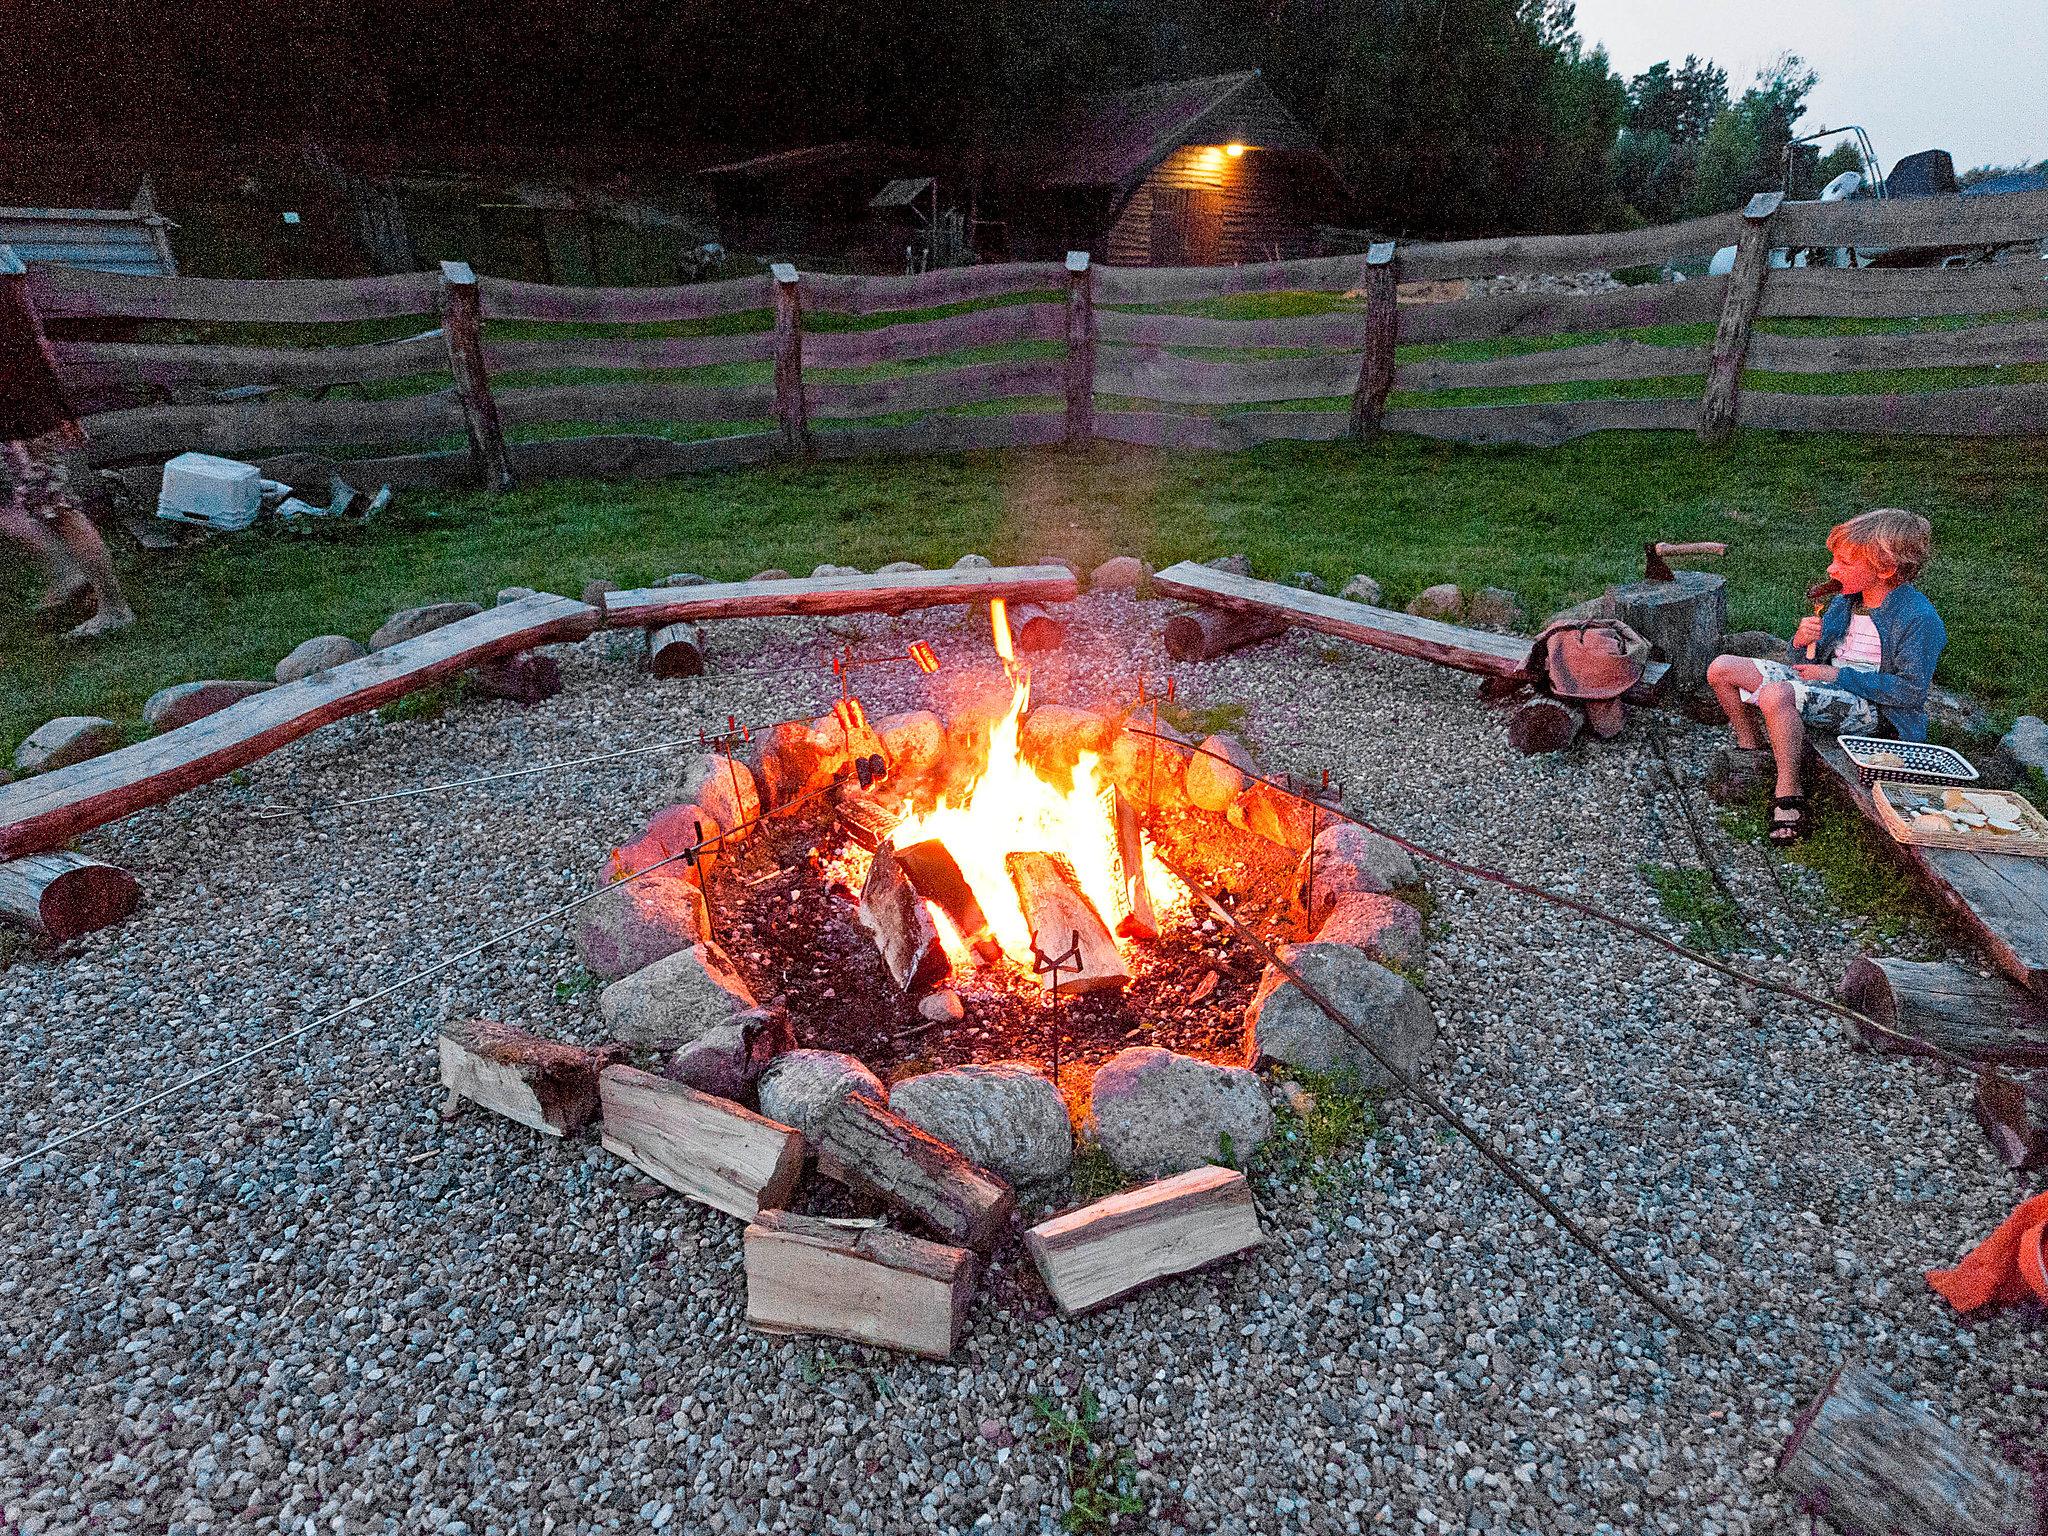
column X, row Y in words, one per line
column 49, row 809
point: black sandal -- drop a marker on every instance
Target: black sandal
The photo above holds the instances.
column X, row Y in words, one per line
column 1783, row 832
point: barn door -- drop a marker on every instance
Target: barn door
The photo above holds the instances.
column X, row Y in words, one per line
column 1187, row 226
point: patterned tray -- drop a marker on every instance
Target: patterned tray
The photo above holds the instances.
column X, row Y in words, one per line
column 1921, row 762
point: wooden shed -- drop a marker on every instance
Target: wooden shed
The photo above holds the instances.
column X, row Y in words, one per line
column 815, row 201
column 1186, row 173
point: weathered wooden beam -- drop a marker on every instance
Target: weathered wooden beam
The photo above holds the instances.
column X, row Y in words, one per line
column 1867, row 1460
column 857, row 1280
column 710, row 1149
column 789, row 362
column 1382, row 327
column 49, row 809
column 875, row 1153
column 1080, row 362
column 822, row 596
column 1136, row 1236
column 1719, row 408
column 65, row 895
column 462, row 330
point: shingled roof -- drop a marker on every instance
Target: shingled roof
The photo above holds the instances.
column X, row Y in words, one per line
column 1116, row 140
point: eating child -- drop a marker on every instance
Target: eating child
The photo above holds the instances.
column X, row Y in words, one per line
column 1864, row 661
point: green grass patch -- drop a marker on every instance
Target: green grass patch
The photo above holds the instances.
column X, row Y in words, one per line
column 1223, row 718
column 429, row 703
column 1857, row 875
column 1093, row 1175
column 1314, row 1137
column 1690, row 898
column 1101, row 1483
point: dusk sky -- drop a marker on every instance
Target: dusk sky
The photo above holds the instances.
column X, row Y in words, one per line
column 1968, row 76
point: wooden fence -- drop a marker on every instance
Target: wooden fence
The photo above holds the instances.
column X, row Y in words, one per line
column 722, row 374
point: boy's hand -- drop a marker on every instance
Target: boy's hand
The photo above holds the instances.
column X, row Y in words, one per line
column 1818, row 674
column 1807, row 633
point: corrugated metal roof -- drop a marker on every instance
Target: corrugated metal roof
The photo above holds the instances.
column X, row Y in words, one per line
column 99, row 239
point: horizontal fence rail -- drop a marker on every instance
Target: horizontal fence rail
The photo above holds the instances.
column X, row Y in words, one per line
column 451, row 378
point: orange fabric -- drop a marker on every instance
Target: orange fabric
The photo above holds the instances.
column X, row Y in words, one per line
column 1990, row 1273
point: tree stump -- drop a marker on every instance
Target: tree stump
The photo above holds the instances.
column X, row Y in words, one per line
column 1544, row 725
column 1983, row 1019
column 1866, row 1459
column 675, row 650
column 1684, row 618
column 1034, row 629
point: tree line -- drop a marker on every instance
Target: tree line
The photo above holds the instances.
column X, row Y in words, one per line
column 1445, row 116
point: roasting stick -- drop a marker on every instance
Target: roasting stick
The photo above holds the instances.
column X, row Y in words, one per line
column 1452, row 1118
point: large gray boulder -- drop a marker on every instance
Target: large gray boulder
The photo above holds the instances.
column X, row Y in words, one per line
column 1385, row 927
column 637, row 922
column 1213, row 784
column 898, row 568
column 1496, row 608
column 1442, row 601
column 677, row 999
column 1004, row 1117
column 724, row 787
column 1053, row 737
column 66, row 740
column 183, row 703
column 1156, row 1112
column 1362, row 589
column 913, row 742
column 1285, row 1026
column 1347, row 860
column 798, row 1086
column 317, row 655
column 1119, row 573
column 411, row 623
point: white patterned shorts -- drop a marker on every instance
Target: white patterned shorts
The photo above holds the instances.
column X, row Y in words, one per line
column 1830, row 708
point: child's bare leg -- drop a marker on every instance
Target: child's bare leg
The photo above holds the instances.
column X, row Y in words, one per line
column 82, row 543
column 1728, row 676
column 65, row 579
column 1780, row 708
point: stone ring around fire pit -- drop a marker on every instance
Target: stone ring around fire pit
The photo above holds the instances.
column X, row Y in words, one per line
column 910, row 925
column 932, row 979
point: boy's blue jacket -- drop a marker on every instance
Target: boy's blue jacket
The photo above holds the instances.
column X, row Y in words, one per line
column 1911, row 636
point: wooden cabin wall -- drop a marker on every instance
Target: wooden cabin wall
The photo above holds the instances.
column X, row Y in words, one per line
column 1262, row 207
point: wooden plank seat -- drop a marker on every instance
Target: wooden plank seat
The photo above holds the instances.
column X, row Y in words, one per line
column 1448, row 645
column 50, row 809
column 822, row 596
column 2001, row 899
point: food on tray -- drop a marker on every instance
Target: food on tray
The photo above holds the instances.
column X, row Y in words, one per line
column 1988, row 812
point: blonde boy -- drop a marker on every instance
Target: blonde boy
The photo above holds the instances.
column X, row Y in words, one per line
column 1866, row 661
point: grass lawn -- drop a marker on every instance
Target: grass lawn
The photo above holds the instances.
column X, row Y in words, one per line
column 1554, row 524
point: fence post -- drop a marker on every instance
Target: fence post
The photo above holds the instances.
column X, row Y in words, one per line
column 1382, row 327
column 462, row 330
column 21, row 334
column 789, row 361
column 1080, row 350
column 1722, row 401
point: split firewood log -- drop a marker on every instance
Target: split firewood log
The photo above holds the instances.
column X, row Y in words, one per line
column 879, row 1154
column 894, row 913
column 544, row 1084
column 1060, row 917
column 857, row 1280
column 714, row 1151
column 1131, row 1238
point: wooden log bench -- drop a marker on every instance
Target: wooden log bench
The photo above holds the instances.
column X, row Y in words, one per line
column 2002, row 900
column 825, row 596
column 48, row 810
column 1405, row 634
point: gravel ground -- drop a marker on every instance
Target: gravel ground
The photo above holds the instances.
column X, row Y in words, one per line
column 296, row 1299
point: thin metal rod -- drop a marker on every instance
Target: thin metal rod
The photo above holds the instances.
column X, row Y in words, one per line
column 356, row 1005
column 1452, row 1118
column 1910, row 1044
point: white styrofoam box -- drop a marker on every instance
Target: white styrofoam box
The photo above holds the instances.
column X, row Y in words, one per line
column 211, row 491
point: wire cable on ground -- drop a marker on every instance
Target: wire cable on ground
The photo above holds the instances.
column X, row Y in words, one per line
column 356, row 1005
column 1908, row 1043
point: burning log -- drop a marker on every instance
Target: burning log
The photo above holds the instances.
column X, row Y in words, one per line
column 675, row 650
column 856, row 1280
column 66, row 895
column 1137, row 920
column 539, row 1083
column 1544, row 725
column 1203, row 634
column 865, row 819
column 1131, row 1238
column 892, row 910
column 1033, row 629
column 730, row 1158
column 884, row 1156
column 936, row 874
column 1060, row 919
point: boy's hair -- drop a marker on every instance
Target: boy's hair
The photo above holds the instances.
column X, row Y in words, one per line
column 1899, row 539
